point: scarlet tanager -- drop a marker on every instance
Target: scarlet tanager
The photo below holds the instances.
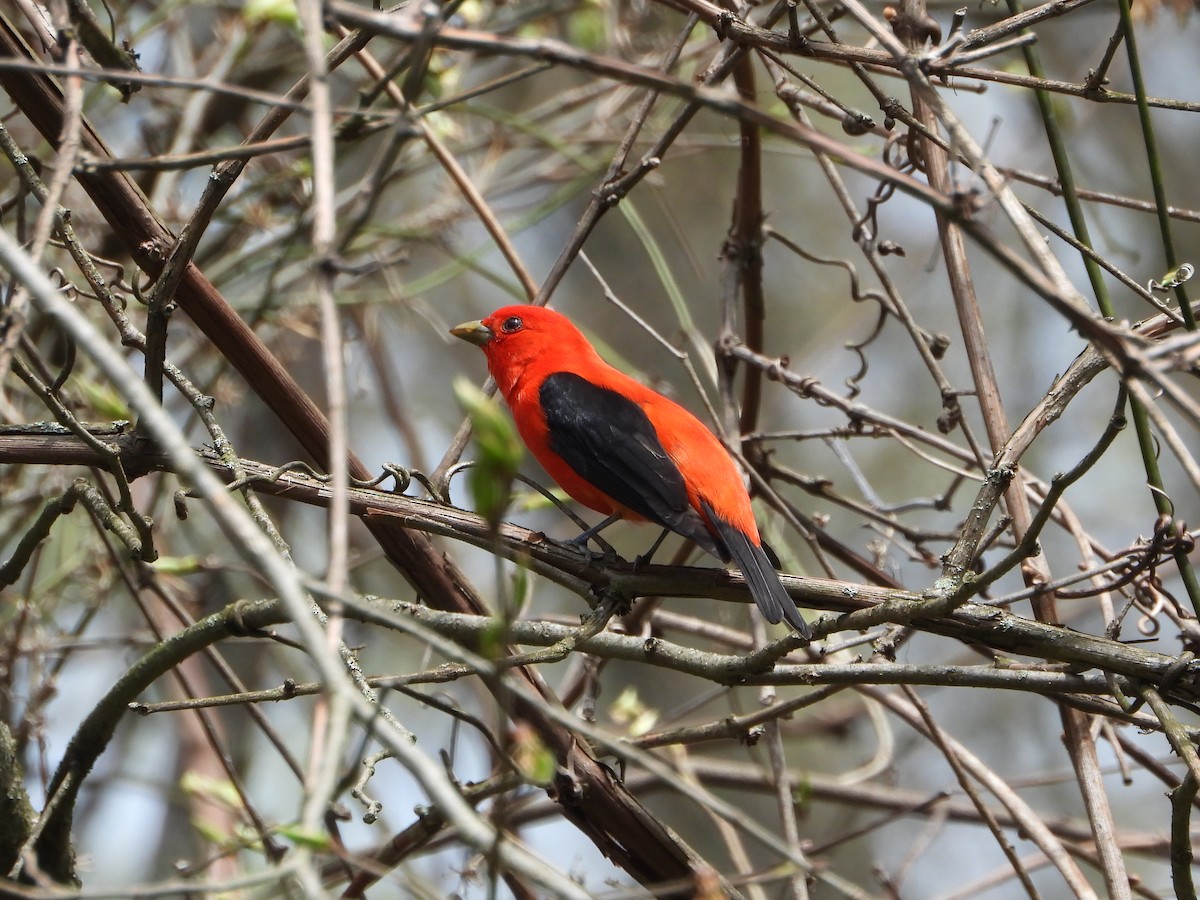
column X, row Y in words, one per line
column 622, row 449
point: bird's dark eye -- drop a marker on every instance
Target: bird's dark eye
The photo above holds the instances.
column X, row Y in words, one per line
column 511, row 324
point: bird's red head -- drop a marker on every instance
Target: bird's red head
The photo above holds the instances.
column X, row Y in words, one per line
column 516, row 338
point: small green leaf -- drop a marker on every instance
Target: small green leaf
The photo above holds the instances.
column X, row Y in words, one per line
column 500, row 451
column 103, row 399
column 215, row 790
column 210, row 833
column 630, row 711
column 178, row 565
column 532, row 757
column 586, row 28
column 281, row 12
column 802, row 793
column 297, row 835
column 522, row 591
column 533, row 501
column 492, row 639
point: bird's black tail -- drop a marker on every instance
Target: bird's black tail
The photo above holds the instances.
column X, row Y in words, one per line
column 762, row 579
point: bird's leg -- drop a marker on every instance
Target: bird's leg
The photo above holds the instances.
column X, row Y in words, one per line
column 580, row 540
column 644, row 559
column 586, row 536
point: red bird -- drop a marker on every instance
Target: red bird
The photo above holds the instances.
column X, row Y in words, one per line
column 622, row 449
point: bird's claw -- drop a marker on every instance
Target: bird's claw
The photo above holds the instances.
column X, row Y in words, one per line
column 642, row 559
column 581, row 546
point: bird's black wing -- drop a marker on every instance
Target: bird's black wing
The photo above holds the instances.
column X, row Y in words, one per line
column 609, row 441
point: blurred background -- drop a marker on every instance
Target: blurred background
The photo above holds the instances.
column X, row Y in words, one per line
column 882, row 472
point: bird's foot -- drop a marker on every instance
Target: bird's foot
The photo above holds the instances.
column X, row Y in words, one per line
column 580, row 544
column 644, row 559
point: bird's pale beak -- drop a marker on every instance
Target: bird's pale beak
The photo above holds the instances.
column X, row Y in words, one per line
column 473, row 332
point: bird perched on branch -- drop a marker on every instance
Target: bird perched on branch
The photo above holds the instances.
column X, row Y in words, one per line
column 622, row 449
